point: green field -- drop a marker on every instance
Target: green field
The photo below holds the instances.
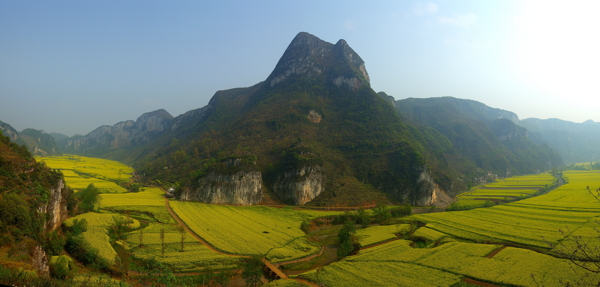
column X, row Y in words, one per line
column 145, row 205
column 195, row 256
column 375, row 234
column 80, row 171
column 535, row 221
column 504, row 190
column 97, row 234
column 249, row 230
column 396, row 263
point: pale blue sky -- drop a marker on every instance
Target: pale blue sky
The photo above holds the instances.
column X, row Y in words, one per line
column 71, row 66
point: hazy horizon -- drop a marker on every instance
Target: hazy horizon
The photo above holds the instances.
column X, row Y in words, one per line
column 70, row 67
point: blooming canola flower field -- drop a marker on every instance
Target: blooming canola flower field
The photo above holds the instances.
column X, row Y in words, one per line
column 80, row 171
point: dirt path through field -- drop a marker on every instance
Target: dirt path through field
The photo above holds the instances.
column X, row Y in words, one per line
column 496, row 251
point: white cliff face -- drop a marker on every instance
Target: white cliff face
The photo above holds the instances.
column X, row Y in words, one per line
column 241, row 188
column 56, row 208
column 300, row 186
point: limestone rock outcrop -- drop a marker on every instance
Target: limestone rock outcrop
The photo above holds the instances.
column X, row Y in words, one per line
column 300, row 186
column 240, row 188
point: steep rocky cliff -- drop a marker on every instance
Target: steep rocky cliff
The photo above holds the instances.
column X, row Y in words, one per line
column 56, row 208
column 299, row 186
column 241, row 188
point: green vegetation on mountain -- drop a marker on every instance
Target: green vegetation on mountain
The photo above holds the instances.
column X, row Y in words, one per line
column 484, row 139
column 305, row 120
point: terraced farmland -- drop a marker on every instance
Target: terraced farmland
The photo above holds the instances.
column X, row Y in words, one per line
column 194, row 258
column 504, row 190
column 80, row 171
column 396, row 263
column 148, row 204
column 97, row 234
column 534, row 221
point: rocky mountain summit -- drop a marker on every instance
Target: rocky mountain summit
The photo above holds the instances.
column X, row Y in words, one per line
column 309, row 56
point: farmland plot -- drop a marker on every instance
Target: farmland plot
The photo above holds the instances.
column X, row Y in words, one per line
column 195, row 256
column 97, row 234
column 532, row 221
column 149, row 201
column 444, row 265
column 249, row 230
column 80, row 171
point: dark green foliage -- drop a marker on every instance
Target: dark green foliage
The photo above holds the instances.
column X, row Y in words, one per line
column 152, row 273
column 382, row 213
column 252, row 270
column 88, row 198
column 120, row 227
column 478, row 138
column 60, row 268
column 362, row 217
column 54, row 243
column 85, row 253
column 346, row 239
column 305, row 226
column 404, row 210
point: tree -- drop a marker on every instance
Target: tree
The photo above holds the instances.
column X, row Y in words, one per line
column 88, row 198
column 162, row 240
column 141, row 237
column 382, row 213
column 183, row 232
column 363, row 217
column 252, row 270
column 346, row 239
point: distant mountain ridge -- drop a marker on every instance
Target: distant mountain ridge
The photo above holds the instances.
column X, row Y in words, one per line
column 576, row 142
column 38, row 142
column 121, row 135
column 487, row 138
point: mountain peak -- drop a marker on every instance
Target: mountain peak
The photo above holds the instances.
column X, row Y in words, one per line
column 161, row 113
column 309, row 56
